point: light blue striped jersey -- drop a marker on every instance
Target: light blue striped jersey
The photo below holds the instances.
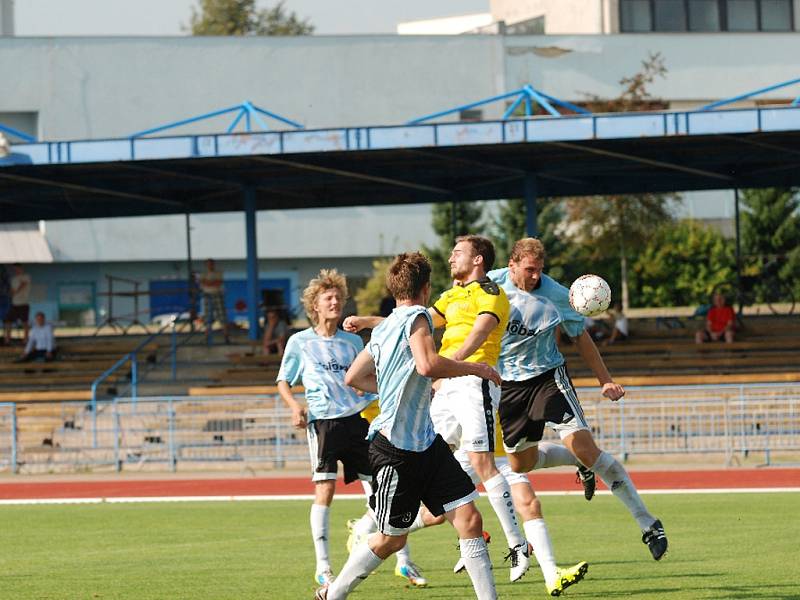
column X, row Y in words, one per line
column 529, row 347
column 405, row 395
column 321, row 363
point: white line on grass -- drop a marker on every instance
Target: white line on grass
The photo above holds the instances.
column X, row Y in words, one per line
column 125, row 499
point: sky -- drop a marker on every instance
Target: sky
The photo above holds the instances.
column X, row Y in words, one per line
column 167, row 17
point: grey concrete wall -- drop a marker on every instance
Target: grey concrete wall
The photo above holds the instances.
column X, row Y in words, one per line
column 293, row 234
column 112, row 87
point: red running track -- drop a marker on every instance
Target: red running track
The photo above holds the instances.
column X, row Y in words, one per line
column 644, row 480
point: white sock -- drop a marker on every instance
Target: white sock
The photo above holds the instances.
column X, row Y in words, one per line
column 361, row 563
column 539, row 538
column 619, row 482
column 554, row 455
column 319, row 531
column 418, row 523
column 476, row 559
column 403, row 555
column 500, row 498
column 366, row 524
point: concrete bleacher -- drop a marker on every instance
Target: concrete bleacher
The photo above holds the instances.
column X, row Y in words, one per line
column 767, row 350
column 79, row 363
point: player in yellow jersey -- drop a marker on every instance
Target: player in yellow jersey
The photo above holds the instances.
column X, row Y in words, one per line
column 474, row 313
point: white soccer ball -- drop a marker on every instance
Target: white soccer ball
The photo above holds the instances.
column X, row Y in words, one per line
column 589, row 295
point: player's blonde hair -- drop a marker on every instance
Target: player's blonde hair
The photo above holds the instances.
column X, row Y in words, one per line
column 328, row 279
column 407, row 275
column 532, row 247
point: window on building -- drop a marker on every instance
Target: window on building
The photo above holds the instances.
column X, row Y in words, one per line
column 471, row 114
column 704, row 15
column 534, row 26
column 669, row 15
column 776, row 15
column 742, row 15
column 637, row 16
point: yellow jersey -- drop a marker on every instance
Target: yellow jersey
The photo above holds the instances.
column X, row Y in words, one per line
column 461, row 305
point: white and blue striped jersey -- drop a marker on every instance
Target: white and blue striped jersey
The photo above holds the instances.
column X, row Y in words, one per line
column 529, row 346
column 404, row 395
column 321, row 363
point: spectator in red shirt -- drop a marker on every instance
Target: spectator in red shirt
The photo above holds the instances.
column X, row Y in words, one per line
column 720, row 323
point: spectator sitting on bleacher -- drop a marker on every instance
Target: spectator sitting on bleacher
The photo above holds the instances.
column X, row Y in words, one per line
column 41, row 341
column 276, row 331
column 619, row 325
column 598, row 330
column 720, row 323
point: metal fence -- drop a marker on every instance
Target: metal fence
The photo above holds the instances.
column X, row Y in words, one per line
column 256, row 432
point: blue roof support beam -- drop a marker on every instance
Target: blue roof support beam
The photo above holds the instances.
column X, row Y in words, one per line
column 17, row 133
column 252, row 261
column 527, row 94
column 763, row 90
column 246, row 109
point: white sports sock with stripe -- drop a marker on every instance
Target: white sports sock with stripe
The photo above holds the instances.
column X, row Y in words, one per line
column 539, row 538
column 619, row 482
column 500, row 498
column 361, row 563
column 554, row 455
column 319, row 532
column 476, row 559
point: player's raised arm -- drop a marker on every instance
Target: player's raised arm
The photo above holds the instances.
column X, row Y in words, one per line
column 361, row 374
column 591, row 356
column 355, row 323
column 430, row 364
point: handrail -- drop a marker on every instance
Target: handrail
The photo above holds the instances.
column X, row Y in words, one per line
column 132, row 356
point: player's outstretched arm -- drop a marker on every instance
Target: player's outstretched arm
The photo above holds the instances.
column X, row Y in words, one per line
column 354, row 323
column 361, row 374
column 591, row 356
column 299, row 415
column 430, row 364
column 484, row 325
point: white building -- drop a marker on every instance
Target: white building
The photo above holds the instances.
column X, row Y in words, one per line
column 89, row 88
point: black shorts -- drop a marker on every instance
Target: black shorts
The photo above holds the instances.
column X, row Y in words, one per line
column 19, row 313
column 403, row 479
column 343, row 439
column 526, row 406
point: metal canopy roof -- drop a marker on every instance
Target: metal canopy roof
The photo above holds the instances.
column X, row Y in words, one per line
column 581, row 155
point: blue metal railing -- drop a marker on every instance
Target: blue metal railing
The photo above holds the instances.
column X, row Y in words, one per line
column 132, row 356
column 732, row 421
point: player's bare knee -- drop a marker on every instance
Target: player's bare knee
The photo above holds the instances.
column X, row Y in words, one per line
column 385, row 545
column 324, row 491
column 483, row 463
column 467, row 521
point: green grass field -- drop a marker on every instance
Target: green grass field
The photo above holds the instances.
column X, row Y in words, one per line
column 721, row 546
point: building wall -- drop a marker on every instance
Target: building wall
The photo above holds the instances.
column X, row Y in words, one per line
column 113, row 87
column 561, row 16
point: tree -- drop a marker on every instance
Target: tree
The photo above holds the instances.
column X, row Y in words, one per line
column 563, row 262
column 771, row 232
column 617, row 226
column 450, row 220
column 621, row 224
column 368, row 298
column 681, row 264
column 241, row 17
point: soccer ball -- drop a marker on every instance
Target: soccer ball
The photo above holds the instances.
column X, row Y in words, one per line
column 589, row 295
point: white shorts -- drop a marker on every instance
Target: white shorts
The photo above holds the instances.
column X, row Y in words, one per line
column 463, row 412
